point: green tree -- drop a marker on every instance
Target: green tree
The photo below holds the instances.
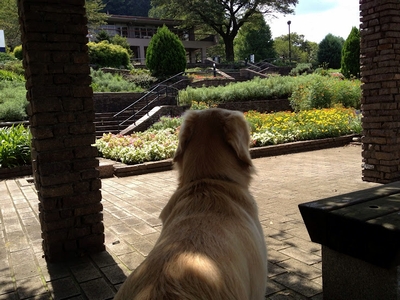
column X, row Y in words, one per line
column 102, row 35
column 255, row 38
column 350, row 64
column 165, row 55
column 95, row 17
column 224, row 17
column 9, row 23
column 302, row 51
column 330, row 51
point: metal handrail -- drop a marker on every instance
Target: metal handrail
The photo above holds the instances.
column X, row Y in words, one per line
column 166, row 88
column 152, row 89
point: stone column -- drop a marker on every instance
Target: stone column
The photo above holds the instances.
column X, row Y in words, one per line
column 380, row 103
column 61, row 115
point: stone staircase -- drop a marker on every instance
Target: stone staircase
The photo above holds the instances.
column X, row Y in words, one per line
column 106, row 123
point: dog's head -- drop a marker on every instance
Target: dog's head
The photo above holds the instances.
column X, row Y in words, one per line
column 214, row 143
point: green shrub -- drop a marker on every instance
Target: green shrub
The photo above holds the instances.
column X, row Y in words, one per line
column 4, row 57
column 14, row 66
column 14, row 146
column 104, row 54
column 10, row 76
column 165, row 55
column 318, row 91
column 107, row 82
column 166, row 123
column 18, row 52
column 141, row 77
column 13, row 101
column 300, row 69
column 274, row 87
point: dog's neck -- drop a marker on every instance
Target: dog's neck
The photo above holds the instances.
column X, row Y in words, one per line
column 222, row 178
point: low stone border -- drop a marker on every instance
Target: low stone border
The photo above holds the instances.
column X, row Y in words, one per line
column 6, row 173
column 109, row 168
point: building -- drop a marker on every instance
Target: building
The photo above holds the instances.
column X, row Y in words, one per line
column 2, row 42
column 139, row 30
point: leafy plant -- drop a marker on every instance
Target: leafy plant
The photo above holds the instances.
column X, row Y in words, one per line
column 107, row 82
column 104, row 54
column 14, row 146
column 140, row 147
column 13, row 103
column 165, row 55
column 18, row 52
column 141, row 77
column 167, row 123
column 318, row 91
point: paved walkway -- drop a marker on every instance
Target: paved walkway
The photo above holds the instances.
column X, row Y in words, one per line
column 131, row 209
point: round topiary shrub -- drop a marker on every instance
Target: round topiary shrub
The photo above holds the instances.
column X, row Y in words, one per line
column 104, row 54
column 18, row 52
column 165, row 55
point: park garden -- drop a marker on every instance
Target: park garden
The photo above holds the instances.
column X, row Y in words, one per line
column 324, row 104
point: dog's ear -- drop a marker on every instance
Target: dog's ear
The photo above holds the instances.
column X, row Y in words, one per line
column 185, row 133
column 237, row 134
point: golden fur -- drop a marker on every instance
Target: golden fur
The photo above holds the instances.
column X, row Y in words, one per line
column 212, row 244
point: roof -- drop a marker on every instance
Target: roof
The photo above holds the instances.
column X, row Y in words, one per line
column 143, row 20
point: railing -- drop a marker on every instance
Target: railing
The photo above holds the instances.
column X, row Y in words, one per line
column 161, row 90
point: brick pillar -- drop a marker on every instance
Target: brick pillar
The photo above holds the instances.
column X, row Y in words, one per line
column 380, row 103
column 61, row 114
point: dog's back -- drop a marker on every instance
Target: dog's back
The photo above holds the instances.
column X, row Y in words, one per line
column 211, row 245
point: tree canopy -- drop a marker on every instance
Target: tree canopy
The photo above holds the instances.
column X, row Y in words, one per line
column 223, row 16
column 330, row 51
column 302, row 51
column 255, row 38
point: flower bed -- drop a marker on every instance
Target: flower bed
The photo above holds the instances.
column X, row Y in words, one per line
column 266, row 129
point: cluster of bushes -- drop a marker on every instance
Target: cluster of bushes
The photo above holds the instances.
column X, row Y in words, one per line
column 304, row 92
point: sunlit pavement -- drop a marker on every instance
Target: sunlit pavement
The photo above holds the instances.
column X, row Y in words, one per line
column 131, row 208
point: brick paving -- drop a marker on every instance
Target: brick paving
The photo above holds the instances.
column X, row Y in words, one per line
column 131, row 209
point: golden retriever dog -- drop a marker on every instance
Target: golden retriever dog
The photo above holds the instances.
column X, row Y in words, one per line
column 211, row 245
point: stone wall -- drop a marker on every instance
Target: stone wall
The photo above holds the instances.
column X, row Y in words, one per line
column 61, row 115
column 380, row 72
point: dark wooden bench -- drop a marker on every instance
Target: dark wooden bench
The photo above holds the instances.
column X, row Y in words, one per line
column 360, row 237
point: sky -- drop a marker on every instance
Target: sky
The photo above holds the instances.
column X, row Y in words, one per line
column 316, row 18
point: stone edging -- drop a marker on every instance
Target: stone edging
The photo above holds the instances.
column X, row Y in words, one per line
column 109, row 168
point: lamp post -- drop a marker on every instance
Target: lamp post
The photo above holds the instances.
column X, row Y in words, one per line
column 290, row 49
